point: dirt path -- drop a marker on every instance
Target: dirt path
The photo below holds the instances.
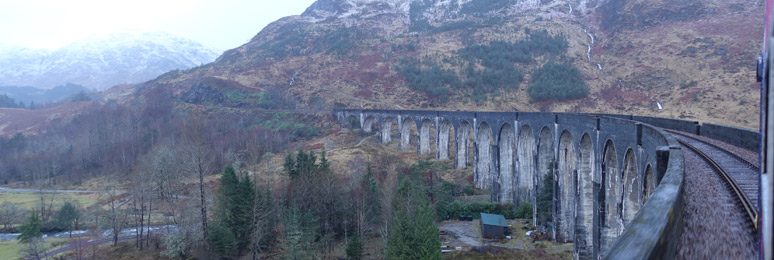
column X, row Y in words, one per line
column 175, row 196
column 56, row 191
column 467, row 234
column 356, row 145
column 462, row 232
column 84, row 244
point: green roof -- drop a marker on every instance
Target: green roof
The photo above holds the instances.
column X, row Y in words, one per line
column 493, row 220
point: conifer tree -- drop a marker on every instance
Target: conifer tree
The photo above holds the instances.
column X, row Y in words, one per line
column 68, row 217
column 227, row 192
column 298, row 237
column 263, row 222
column 367, row 202
column 545, row 197
column 324, row 165
column 355, row 248
column 31, row 229
column 413, row 234
column 267, row 210
column 236, row 197
column 306, row 163
column 222, row 240
column 242, row 216
column 290, row 166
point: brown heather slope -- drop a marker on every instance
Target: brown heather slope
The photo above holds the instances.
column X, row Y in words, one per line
column 31, row 122
column 694, row 57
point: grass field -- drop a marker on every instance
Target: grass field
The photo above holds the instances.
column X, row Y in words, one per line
column 13, row 249
column 29, row 200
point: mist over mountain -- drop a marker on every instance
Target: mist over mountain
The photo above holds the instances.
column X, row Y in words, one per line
column 102, row 61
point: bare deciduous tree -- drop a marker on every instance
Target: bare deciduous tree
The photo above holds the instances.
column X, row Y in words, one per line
column 199, row 160
column 115, row 217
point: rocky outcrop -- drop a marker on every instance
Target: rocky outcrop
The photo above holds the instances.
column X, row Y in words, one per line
column 203, row 93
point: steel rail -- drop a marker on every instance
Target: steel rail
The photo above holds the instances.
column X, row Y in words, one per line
column 750, row 164
column 750, row 210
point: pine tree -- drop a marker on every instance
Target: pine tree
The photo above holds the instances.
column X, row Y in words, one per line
column 236, row 197
column 227, row 192
column 267, row 210
column 226, row 226
column 263, row 222
column 222, row 240
column 305, row 164
column 31, row 229
column 68, row 217
column 355, row 248
column 242, row 217
column 413, row 234
column 290, row 166
column 374, row 196
column 545, row 197
column 298, row 237
column 324, row 165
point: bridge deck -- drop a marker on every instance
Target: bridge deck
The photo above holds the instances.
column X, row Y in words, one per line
column 715, row 226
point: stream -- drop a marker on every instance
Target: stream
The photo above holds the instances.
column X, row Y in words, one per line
column 588, row 52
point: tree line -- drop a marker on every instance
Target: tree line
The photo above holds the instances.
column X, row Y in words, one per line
column 314, row 209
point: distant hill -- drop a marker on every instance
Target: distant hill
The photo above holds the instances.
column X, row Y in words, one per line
column 102, row 61
column 8, row 102
column 39, row 96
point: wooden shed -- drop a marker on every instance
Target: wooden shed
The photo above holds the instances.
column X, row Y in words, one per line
column 493, row 226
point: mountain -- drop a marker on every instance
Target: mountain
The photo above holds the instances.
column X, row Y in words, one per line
column 692, row 58
column 39, row 96
column 679, row 59
column 102, row 61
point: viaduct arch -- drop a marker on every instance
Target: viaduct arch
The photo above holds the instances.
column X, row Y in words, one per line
column 604, row 168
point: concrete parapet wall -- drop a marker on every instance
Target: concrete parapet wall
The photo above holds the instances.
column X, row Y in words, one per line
column 745, row 138
column 668, row 123
column 653, row 233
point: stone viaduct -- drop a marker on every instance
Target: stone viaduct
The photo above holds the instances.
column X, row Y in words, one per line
column 617, row 180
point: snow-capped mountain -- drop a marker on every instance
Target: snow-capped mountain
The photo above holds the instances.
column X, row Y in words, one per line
column 324, row 9
column 102, row 61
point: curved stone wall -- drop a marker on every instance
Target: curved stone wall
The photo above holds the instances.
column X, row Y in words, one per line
column 617, row 181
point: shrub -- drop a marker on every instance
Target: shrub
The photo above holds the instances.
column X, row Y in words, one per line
column 281, row 122
column 498, row 59
column 497, row 53
column 355, row 248
column 341, row 40
column 524, row 211
column 435, row 81
column 456, row 208
column 557, row 82
column 291, row 41
column 482, row 7
column 458, row 25
column 417, row 16
column 274, row 98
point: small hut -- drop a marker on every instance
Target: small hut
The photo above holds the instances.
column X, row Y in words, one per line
column 493, row 226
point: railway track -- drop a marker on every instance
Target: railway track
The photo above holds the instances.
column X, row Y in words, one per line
column 739, row 174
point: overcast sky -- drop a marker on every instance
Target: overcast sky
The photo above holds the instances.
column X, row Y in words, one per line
column 222, row 24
